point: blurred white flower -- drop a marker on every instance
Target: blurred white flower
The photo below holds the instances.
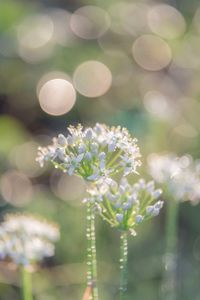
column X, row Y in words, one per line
column 180, row 176
column 93, row 153
column 124, row 205
column 25, row 239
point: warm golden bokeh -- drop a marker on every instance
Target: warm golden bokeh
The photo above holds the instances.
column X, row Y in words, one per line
column 151, row 52
column 57, row 96
column 166, row 21
column 92, row 79
column 89, row 22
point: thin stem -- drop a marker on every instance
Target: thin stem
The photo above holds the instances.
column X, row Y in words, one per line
column 170, row 259
column 91, row 253
column 26, row 284
column 115, row 157
column 123, row 264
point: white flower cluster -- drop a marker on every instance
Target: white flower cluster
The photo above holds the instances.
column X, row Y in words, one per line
column 93, row 153
column 124, row 205
column 179, row 175
column 25, row 239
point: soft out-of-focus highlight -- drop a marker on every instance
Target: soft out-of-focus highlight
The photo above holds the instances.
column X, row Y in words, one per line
column 120, row 62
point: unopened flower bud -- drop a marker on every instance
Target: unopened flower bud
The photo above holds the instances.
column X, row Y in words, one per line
column 119, row 217
column 139, row 219
column 62, row 141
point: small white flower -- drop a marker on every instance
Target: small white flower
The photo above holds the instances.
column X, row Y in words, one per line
column 149, row 209
column 139, row 219
column 111, row 197
column 70, row 140
column 88, row 156
column 94, row 148
column 79, row 158
column 156, row 194
column 62, row 140
column 89, row 133
column 82, row 148
column 71, row 170
column 102, row 156
column 93, row 177
column 155, row 212
column 112, row 146
column 25, row 239
column 159, row 204
column 102, row 165
column 127, row 205
column 119, row 217
column 60, row 153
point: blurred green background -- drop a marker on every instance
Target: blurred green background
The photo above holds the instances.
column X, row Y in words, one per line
column 129, row 63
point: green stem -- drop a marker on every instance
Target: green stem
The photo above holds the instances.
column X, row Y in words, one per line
column 170, row 259
column 115, row 157
column 123, row 264
column 26, row 284
column 91, row 253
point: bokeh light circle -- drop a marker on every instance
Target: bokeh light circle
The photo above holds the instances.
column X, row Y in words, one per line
column 166, row 21
column 57, row 96
column 89, row 22
column 92, row 79
column 187, row 55
column 35, row 38
column 63, row 34
column 26, row 163
column 196, row 21
column 151, row 52
column 115, row 12
column 120, row 65
column 68, row 188
column 16, row 188
column 36, row 31
column 134, row 18
column 158, row 105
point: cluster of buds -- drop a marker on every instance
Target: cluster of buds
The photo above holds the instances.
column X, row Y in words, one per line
column 180, row 176
column 93, row 153
column 26, row 240
column 125, row 205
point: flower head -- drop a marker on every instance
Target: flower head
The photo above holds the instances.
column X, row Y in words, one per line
column 25, row 239
column 124, row 205
column 180, row 176
column 93, row 153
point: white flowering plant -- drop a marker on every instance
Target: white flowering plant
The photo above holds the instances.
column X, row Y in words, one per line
column 124, row 205
column 97, row 154
column 180, row 176
column 26, row 240
column 93, row 153
column 180, row 181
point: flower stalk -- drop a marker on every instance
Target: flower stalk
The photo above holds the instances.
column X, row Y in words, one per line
column 123, row 264
column 180, row 179
column 91, row 253
column 170, row 259
column 26, row 284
